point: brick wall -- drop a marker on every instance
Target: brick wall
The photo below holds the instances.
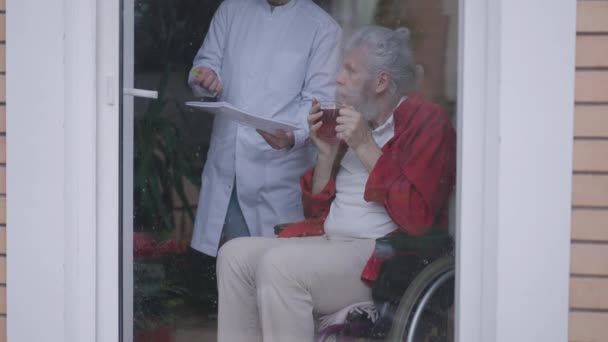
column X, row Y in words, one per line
column 2, row 172
column 589, row 263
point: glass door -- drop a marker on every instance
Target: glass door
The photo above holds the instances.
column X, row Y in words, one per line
column 169, row 289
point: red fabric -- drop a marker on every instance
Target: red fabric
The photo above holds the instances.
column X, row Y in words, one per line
column 312, row 227
column 371, row 271
column 412, row 179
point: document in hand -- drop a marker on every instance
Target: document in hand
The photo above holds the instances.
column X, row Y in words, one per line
column 227, row 110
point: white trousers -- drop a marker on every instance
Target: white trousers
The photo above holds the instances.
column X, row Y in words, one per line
column 270, row 289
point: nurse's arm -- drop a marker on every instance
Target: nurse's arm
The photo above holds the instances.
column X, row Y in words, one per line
column 320, row 81
column 210, row 55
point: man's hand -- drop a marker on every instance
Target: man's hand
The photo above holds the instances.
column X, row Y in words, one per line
column 324, row 149
column 355, row 131
column 353, row 128
column 280, row 140
column 207, row 79
column 326, row 153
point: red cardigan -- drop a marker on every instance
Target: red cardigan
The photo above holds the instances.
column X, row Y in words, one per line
column 413, row 178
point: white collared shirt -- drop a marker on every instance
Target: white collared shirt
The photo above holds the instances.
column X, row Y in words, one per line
column 350, row 215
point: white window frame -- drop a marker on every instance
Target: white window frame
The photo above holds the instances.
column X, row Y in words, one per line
column 516, row 99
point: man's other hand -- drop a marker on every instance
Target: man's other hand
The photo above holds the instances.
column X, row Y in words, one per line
column 280, row 140
column 208, row 79
column 353, row 128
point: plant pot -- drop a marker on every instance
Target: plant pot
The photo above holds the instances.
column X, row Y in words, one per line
column 160, row 334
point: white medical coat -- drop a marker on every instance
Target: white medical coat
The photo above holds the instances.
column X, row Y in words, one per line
column 272, row 62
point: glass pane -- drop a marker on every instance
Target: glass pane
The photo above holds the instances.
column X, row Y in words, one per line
column 182, row 163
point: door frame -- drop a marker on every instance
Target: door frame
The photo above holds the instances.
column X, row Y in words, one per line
column 513, row 220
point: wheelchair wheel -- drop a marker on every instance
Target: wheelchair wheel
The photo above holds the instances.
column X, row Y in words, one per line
column 423, row 314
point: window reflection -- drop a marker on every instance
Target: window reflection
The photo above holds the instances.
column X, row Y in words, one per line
column 175, row 286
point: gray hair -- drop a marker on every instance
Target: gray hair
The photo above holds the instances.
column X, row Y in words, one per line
column 389, row 51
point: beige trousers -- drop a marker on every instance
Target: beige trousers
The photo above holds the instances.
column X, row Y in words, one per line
column 270, row 289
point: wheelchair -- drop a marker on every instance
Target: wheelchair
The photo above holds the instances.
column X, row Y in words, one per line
column 414, row 293
column 422, row 314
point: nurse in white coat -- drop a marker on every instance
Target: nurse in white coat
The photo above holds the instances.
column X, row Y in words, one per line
column 271, row 58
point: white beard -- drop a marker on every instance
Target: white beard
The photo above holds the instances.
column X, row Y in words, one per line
column 361, row 101
column 368, row 109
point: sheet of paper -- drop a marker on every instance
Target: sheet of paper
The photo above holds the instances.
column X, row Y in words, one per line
column 227, row 110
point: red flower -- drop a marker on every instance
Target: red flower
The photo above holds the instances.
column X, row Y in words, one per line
column 171, row 247
column 143, row 245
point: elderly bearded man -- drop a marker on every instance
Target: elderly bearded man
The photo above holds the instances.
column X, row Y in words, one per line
column 393, row 171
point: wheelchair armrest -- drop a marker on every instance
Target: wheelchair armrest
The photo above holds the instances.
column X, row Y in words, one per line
column 433, row 240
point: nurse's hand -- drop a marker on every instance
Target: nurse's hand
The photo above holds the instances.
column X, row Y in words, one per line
column 325, row 150
column 208, row 79
column 280, row 140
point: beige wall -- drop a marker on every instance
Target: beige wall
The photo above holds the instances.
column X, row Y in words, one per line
column 589, row 263
column 2, row 174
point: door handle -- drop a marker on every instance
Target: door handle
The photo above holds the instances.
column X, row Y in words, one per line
column 149, row 94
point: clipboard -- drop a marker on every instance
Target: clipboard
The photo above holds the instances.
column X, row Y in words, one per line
column 229, row 111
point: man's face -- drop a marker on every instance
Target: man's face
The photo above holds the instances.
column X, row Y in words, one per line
column 354, row 82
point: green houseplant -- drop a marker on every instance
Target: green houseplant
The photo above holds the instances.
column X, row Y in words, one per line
column 162, row 163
